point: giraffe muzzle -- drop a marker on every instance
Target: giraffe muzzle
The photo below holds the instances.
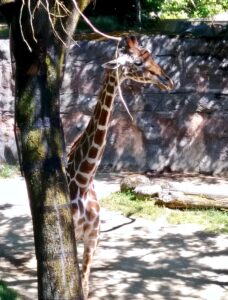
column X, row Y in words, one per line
column 165, row 83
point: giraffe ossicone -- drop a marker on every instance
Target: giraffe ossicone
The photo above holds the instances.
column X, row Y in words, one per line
column 132, row 62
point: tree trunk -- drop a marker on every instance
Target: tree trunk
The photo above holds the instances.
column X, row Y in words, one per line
column 38, row 75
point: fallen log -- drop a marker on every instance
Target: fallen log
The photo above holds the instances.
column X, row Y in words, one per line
column 175, row 194
column 182, row 201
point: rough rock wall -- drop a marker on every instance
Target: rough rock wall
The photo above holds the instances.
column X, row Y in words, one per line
column 183, row 130
column 7, row 143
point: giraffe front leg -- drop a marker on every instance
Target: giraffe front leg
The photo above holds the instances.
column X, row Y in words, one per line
column 86, row 265
column 89, row 250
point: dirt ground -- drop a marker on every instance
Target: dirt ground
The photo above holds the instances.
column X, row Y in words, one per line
column 136, row 258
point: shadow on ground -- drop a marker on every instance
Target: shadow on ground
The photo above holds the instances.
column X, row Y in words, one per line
column 136, row 259
column 172, row 263
column 17, row 253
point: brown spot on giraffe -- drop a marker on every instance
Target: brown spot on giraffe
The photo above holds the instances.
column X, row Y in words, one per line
column 108, row 100
column 110, row 89
column 81, row 221
column 93, row 152
column 73, row 190
column 99, row 136
column 86, row 227
column 96, row 222
column 103, row 117
column 93, row 234
column 87, row 167
column 81, row 179
column 86, row 262
column 112, row 79
column 74, row 208
column 90, row 215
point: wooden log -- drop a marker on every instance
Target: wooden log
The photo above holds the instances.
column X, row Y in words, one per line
column 176, row 195
column 183, row 201
column 179, row 199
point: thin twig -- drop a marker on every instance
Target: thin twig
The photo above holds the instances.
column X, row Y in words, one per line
column 62, row 25
column 21, row 28
column 52, row 25
column 31, row 22
column 92, row 26
column 119, row 87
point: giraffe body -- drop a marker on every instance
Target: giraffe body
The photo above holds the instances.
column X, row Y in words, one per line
column 85, row 155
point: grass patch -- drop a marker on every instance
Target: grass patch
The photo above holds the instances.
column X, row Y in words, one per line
column 7, row 293
column 4, row 33
column 212, row 220
column 129, row 205
column 7, row 171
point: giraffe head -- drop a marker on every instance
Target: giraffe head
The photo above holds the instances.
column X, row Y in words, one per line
column 136, row 63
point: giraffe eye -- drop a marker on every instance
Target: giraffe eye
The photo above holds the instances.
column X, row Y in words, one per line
column 138, row 62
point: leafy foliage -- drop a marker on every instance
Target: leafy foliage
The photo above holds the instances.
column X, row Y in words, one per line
column 7, row 171
column 6, row 293
column 169, row 9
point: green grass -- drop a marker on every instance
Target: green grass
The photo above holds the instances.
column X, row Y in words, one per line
column 7, row 171
column 4, row 33
column 211, row 219
column 7, row 293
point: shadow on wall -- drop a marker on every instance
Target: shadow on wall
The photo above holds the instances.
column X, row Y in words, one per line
column 185, row 129
column 10, row 157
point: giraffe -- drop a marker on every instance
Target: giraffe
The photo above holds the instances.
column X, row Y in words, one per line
column 132, row 62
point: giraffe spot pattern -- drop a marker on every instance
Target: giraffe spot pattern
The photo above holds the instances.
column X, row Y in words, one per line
column 110, row 89
column 108, row 100
column 103, row 117
column 90, row 215
column 71, row 171
column 74, row 208
column 86, row 227
column 81, row 207
column 73, row 190
column 86, row 262
column 99, row 137
column 96, row 222
column 87, row 167
column 93, row 152
column 112, row 79
column 97, row 111
column 81, row 221
column 81, row 179
column 93, row 234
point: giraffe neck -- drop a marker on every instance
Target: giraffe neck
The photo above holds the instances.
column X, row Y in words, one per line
column 86, row 153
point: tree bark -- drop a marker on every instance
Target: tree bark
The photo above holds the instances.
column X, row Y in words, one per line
column 38, row 76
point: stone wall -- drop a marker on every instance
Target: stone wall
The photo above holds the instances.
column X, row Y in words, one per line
column 7, row 144
column 185, row 130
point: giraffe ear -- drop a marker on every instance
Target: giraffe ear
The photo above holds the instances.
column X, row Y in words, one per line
column 115, row 63
column 112, row 64
column 132, row 42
